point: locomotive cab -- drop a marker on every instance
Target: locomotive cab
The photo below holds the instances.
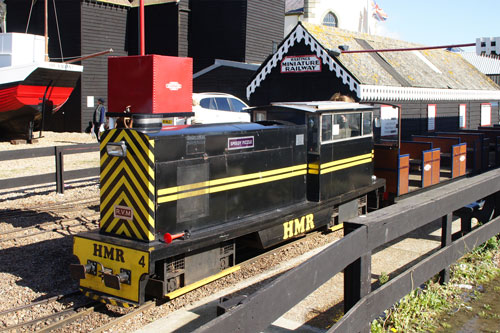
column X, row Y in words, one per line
column 339, row 144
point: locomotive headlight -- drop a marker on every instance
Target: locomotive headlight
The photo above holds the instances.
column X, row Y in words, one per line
column 118, row 149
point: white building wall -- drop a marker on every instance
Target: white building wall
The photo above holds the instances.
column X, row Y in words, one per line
column 353, row 15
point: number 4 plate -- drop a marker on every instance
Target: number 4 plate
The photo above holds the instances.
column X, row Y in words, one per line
column 115, row 258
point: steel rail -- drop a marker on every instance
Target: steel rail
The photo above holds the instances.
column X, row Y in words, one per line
column 121, row 319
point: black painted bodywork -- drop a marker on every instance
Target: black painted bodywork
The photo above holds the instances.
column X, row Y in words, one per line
column 277, row 186
column 199, row 154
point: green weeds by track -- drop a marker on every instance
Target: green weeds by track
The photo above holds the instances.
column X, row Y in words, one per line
column 420, row 310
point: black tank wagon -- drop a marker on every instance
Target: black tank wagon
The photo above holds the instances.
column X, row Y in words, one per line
column 174, row 201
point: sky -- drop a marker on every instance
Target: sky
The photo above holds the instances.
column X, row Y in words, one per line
column 440, row 22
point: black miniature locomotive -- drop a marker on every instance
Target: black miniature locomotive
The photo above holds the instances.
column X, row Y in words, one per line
column 175, row 200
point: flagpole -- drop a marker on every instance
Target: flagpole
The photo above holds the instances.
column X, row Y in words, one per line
column 46, row 34
column 368, row 14
column 142, row 33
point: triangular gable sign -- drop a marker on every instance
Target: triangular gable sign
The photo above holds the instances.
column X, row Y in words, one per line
column 296, row 36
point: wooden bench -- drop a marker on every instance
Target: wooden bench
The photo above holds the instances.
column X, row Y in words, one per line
column 427, row 158
column 393, row 167
column 453, row 152
column 477, row 145
column 492, row 133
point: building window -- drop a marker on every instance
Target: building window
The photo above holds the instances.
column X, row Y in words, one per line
column 431, row 117
column 275, row 47
column 330, row 20
column 462, row 115
column 485, row 114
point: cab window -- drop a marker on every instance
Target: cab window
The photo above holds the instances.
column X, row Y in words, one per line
column 354, row 124
column 312, row 133
column 326, row 127
column 340, row 127
column 367, row 123
column 344, row 126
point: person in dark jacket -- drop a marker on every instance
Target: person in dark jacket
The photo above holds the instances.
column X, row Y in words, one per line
column 99, row 118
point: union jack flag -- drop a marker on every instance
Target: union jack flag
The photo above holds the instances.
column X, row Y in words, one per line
column 378, row 13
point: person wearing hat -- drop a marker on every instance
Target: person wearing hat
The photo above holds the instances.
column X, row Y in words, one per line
column 99, row 118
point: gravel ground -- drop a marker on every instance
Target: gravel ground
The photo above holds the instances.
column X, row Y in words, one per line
column 36, row 268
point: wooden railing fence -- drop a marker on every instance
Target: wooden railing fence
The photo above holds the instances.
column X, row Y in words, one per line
column 353, row 253
column 59, row 176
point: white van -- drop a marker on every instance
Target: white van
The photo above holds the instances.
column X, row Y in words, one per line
column 210, row 108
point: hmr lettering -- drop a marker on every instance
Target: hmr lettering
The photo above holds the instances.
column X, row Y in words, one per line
column 298, row 226
column 111, row 253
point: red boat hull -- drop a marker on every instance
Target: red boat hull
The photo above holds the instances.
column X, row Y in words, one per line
column 21, row 100
column 18, row 96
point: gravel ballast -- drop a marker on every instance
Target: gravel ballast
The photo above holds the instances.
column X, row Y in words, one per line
column 35, row 268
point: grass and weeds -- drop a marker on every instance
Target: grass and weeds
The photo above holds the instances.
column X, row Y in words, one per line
column 420, row 310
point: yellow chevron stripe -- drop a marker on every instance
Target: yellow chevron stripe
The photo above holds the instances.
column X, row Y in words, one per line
column 142, row 175
column 122, row 181
column 122, row 229
column 140, row 157
column 142, row 142
column 141, row 151
column 220, row 188
column 123, row 196
column 109, row 166
column 96, row 297
column 131, row 158
column 221, row 181
column 104, row 142
column 142, row 224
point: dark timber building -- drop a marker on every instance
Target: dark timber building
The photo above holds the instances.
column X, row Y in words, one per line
column 235, row 30
column 438, row 90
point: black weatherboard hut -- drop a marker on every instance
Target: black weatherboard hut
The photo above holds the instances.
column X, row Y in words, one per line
column 437, row 89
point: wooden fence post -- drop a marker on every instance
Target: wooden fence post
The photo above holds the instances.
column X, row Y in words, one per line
column 59, row 169
column 357, row 278
column 446, row 222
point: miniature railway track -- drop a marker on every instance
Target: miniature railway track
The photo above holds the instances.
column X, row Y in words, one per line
column 42, row 228
column 118, row 321
column 68, row 206
column 72, row 311
column 63, row 319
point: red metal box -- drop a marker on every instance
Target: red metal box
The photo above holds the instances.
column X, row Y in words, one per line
column 150, row 84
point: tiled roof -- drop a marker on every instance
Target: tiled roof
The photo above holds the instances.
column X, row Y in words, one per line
column 439, row 69
column 408, row 75
column 489, row 65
